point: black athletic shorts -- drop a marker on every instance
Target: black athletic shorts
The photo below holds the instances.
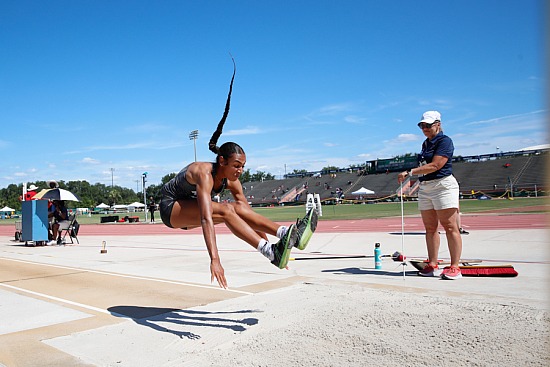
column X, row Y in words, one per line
column 165, row 209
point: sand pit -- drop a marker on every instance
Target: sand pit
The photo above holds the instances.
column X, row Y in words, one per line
column 331, row 324
column 350, row 325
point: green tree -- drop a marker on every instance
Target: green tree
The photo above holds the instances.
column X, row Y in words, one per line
column 261, row 176
column 154, row 192
column 245, row 176
column 329, row 168
column 114, row 197
column 168, row 177
column 10, row 196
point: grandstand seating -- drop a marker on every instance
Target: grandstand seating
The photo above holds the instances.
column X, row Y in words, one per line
column 519, row 170
column 522, row 171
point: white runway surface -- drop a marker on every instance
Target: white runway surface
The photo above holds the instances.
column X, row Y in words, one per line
column 148, row 302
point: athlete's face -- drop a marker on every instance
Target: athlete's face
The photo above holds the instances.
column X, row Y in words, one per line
column 233, row 166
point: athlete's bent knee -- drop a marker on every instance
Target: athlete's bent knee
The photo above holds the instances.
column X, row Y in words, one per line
column 240, row 207
column 226, row 210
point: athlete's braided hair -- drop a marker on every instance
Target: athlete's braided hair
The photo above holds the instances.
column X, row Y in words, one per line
column 229, row 148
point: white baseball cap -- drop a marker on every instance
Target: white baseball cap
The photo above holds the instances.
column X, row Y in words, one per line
column 430, row 117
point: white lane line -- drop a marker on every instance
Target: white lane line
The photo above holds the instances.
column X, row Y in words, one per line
column 130, row 276
column 62, row 300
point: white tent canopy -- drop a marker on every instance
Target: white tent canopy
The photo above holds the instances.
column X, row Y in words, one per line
column 363, row 191
column 120, row 206
column 7, row 209
column 137, row 205
column 103, row 206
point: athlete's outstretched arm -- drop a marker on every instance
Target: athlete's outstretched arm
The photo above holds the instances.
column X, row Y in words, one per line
column 204, row 183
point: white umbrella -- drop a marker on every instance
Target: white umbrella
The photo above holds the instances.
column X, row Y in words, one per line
column 7, row 209
column 363, row 191
column 56, row 194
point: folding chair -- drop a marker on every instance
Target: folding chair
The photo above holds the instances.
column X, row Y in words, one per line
column 71, row 229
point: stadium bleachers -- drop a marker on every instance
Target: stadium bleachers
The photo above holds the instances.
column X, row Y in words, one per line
column 488, row 175
column 519, row 171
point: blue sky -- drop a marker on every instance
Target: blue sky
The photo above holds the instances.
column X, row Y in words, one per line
column 90, row 86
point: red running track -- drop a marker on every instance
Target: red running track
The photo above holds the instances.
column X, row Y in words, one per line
column 393, row 224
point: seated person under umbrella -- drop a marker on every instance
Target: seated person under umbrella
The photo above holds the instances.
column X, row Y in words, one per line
column 61, row 221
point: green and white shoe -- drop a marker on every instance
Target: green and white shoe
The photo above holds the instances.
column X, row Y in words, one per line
column 306, row 226
column 282, row 249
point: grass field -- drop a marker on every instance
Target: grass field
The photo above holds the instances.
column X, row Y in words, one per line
column 380, row 210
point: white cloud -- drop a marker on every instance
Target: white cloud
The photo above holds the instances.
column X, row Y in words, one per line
column 331, row 111
column 507, row 119
column 251, row 130
column 334, row 109
column 407, row 137
column 352, row 119
column 365, row 156
column 88, row 160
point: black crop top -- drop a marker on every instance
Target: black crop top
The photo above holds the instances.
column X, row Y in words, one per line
column 180, row 188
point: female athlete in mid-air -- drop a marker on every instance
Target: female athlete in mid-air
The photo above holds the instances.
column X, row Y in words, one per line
column 187, row 203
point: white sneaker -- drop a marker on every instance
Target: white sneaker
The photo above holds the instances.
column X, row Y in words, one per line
column 430, row 271
column 451, row 273
column 51, row 243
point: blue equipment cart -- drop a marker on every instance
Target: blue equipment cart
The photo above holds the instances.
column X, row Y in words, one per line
column 35, row 222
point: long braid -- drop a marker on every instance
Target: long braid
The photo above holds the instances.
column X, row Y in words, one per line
column 214, row 139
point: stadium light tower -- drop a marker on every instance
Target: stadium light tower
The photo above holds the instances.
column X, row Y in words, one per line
column 112, row 178
column 193, row 135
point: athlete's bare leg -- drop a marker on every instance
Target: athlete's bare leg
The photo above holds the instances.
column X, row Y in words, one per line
column 257, row 221
column 185, row 213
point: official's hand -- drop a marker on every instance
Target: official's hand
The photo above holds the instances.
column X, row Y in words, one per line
column 402, row 176
column 216, row 272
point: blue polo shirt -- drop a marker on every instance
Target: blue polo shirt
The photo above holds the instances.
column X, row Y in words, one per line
column 440, row 145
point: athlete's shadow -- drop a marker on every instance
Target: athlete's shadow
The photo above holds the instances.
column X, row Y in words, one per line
column 363, row 271
column 152, row 317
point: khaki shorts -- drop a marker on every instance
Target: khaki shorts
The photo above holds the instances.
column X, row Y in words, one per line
column 438, row 194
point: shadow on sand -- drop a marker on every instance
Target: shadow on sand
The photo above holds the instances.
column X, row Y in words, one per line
column 363, row 271
column 153, row 316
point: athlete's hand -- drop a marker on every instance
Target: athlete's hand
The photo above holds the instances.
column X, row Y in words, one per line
column 216, row 272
